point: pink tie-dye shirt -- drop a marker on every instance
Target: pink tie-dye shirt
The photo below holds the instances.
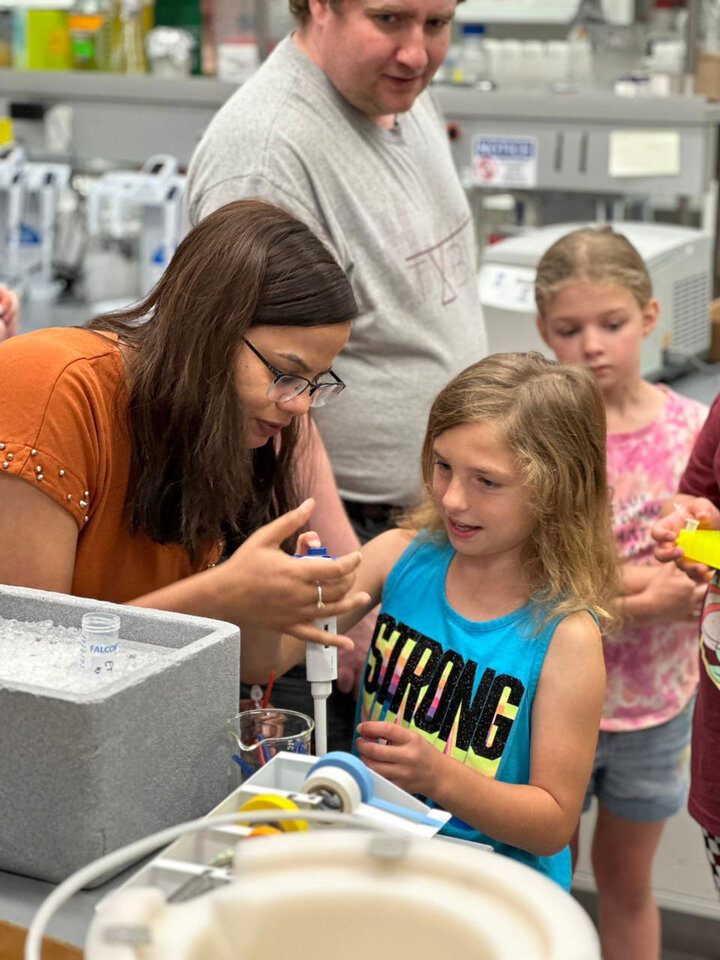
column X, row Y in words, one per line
column 651, row 671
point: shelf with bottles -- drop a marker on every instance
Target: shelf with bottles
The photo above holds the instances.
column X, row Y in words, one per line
column 223, row 37
column 620, row 12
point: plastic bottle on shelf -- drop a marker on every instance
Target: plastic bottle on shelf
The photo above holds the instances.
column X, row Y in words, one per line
column 558, row 61
column 662, row 21
column 235, row 41
column 534, row 57
column 40, row 39
column 580, row 56
column 473, row 62
column 127, row 54
column 513, row 67
column 90, row 27
column 710, row 26
column 186, row 15
column 446, row 71
column 208, row 59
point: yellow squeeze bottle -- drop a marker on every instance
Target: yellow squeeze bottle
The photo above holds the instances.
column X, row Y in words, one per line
column 700, row 546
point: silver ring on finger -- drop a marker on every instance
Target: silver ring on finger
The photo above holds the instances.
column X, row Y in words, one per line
column 320, row 604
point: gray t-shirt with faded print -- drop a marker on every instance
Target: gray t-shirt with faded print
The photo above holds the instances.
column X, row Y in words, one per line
column 389, row 205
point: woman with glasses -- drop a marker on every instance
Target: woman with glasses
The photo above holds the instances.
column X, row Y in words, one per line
column 132, row 451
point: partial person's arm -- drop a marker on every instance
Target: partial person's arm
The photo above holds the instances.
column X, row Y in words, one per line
column 41, row 538
column 634, row 578
column 657, row 594
column 9, row 313
column 540, row 816
column 698, row 498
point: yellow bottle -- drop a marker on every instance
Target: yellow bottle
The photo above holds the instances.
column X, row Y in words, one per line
column 90, row 24
column 701, row 546
column 41, row 40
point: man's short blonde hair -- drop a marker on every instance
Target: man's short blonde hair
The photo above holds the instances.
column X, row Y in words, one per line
column 300, row 9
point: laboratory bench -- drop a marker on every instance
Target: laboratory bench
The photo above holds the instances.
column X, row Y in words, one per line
column 21, row 897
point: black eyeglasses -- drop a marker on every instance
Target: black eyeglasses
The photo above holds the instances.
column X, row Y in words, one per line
column 286, row 387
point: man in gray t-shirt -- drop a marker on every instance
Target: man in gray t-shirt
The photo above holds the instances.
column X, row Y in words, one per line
column 338, row 128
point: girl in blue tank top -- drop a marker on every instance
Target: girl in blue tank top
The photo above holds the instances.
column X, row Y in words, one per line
column 484, row 682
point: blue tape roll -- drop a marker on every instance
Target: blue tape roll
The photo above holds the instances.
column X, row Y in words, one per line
column 352, row 765
column 362, row 776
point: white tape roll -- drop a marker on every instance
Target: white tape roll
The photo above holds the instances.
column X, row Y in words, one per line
column 336, row 781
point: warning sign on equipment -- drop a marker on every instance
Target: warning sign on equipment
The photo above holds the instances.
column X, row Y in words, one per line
column 504, row 161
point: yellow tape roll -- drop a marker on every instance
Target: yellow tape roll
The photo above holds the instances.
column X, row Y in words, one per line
column 270, row 801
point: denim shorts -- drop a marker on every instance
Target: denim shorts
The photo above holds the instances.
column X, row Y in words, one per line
column 643, row 774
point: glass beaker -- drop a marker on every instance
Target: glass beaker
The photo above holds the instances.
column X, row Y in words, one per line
column 257, row 735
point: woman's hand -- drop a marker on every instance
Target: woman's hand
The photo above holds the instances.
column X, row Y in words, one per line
column 261, row 586
column 665, row 533
column 405, row 758
column 8, row 313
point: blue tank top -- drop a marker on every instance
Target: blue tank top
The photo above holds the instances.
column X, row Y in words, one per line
column 466, row 687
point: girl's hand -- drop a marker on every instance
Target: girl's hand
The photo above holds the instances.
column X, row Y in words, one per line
column 666, row 530
column 261, row 586
column 405, row 758
column 8, row 313
column 673, row 595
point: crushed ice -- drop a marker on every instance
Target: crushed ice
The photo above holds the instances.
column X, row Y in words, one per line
column 46, row 655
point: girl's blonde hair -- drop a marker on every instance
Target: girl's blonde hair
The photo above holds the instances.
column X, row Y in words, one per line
column 553, row 420
column 594, row 255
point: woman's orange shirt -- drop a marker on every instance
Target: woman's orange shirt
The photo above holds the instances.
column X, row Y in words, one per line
column 64, row 429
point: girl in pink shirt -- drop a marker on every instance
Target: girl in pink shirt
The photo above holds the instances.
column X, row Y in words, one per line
column 595, row 307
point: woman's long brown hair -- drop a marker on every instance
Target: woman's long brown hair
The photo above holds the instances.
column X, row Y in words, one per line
column 193, row 477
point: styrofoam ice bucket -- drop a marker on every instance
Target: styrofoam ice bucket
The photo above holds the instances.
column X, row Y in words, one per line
column 338, row 893
column 84, row 774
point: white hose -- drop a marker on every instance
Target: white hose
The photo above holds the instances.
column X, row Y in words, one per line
column 141, row 848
